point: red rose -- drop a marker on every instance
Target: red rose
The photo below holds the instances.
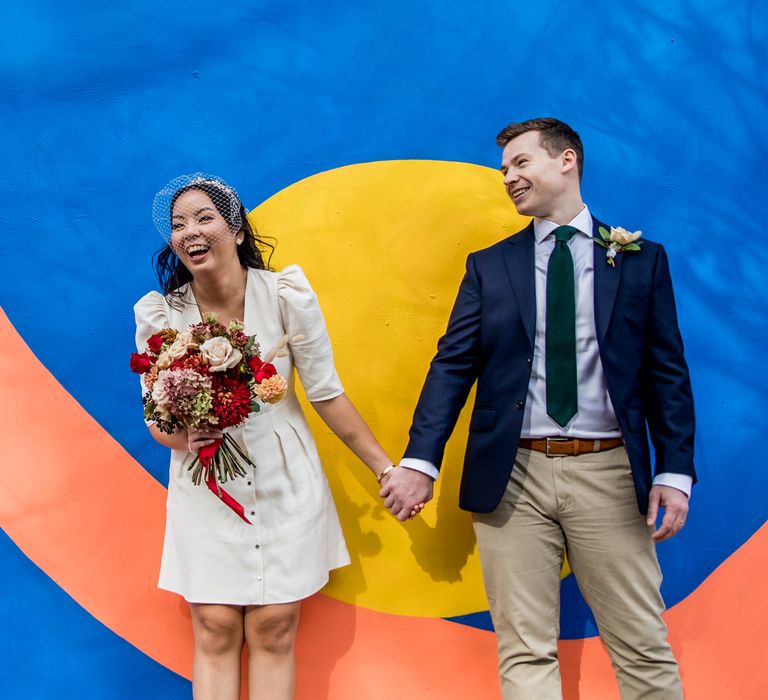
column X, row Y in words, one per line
column 267, row 370
column 155, row 342
column 140, row 363
column 261, row 370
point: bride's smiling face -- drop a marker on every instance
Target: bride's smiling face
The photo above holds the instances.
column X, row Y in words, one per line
column 200, row 235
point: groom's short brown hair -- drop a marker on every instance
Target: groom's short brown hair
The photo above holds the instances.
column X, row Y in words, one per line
column 555, row 136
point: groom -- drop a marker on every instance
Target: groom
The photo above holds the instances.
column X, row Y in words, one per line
column 577, row 357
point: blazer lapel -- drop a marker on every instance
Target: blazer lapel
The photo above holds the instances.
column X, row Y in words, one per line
column 519, row 262
column 606, row 284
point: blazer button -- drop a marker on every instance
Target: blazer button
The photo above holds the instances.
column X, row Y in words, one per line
column 529, row 361
column 520, row 404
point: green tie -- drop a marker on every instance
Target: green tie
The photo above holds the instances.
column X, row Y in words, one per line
column 561, row 330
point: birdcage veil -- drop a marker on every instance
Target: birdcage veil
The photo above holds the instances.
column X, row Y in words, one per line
column 179, row 222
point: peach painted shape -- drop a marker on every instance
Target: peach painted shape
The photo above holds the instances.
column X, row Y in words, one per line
column 83, row 510
column 92, row 518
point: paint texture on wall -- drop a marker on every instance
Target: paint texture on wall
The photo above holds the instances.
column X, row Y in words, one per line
column 363, row 139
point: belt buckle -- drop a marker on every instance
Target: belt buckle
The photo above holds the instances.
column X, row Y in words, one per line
column 549, row 442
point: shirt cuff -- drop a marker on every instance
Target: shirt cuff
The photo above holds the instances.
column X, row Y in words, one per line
column 681, row 482
column 420, row 465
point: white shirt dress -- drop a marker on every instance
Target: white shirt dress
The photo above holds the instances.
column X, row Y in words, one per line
column 210, row 555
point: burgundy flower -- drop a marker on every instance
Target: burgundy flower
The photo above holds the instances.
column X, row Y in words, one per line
column 140, row 362
column 154, row 343
column 231, row 401
column 239, row 339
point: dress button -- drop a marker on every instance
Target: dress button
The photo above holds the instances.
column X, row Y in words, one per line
column 258, row 546
column 258, row 578
column 519, row 404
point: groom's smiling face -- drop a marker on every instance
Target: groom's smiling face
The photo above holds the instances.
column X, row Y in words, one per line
column 535, row 180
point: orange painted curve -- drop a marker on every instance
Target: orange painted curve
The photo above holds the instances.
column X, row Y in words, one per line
column 92, row 518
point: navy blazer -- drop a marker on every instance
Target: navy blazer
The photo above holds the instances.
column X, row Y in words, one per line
column 490, row 339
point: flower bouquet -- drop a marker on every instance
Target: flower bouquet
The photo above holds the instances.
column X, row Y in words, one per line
column 209, row 376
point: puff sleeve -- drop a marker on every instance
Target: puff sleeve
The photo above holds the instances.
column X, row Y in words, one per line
column 151, row 316
column 308, row 336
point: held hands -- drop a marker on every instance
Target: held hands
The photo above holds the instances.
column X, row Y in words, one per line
column 675, row 504
column 405, row 491
column 200, row 438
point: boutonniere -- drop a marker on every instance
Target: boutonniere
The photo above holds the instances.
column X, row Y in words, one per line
column 617, row 240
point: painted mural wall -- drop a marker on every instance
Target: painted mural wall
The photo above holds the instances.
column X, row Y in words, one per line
column 361, row 136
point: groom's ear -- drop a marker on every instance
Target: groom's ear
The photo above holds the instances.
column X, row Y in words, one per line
column 569, row 161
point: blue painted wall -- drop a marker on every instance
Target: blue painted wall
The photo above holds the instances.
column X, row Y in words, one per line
column 103, row 104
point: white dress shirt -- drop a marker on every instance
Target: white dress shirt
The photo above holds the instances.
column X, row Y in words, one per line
column 595, row 417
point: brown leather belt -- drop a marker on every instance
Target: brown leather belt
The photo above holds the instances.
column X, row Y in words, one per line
column 559, row 447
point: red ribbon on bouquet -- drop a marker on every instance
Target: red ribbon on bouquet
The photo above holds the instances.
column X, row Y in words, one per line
column 205, row 455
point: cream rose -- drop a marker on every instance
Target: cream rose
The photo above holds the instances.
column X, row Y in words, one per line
column 622, row 236
column 178, row 348
column 164, row 360
column 219, row 354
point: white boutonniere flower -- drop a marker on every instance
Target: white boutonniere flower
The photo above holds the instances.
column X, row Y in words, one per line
column 617, row 240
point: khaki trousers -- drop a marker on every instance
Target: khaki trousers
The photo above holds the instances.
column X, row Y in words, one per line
column 587, row 505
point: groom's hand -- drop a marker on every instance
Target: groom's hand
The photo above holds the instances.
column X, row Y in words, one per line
column 675, row 504
column 404, row 489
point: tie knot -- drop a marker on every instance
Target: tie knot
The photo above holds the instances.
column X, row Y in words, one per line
column 563, row 234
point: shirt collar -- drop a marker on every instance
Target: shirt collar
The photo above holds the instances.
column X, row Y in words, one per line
column 582, row 221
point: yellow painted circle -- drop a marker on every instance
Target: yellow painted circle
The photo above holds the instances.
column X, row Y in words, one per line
column 384, row 246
